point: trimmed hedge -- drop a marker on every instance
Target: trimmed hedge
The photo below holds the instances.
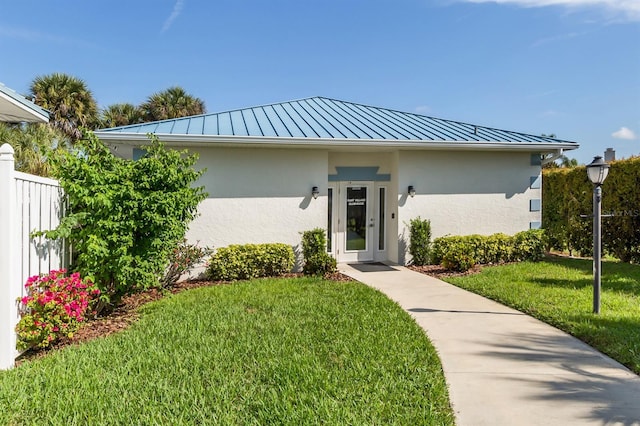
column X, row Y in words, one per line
column 314, row 251
column 420, row 241
column 461, row 253
column 567, row 194
column 242, row 262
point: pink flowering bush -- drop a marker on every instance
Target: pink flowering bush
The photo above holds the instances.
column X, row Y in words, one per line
column 54, row 307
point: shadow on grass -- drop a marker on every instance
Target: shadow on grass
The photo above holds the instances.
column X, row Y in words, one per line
column 581, row 377
column 616, row 337
column 616, row 276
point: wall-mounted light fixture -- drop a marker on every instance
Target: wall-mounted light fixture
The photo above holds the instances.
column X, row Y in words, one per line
column 411, row 191
column 315, row 192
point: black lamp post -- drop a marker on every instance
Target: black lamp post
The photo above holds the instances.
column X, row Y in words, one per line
column 597, row 172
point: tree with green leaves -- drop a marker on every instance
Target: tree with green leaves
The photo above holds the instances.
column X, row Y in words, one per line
column 69, row 101
column 120, row 115
column 174, row 102
column 562, row 162
column 32, row 144
column 126, row 216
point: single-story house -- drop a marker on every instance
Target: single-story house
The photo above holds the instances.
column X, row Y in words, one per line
column 360, row 172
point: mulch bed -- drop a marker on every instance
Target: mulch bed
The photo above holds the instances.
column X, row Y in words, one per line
column 438, row 271
column 126, row 313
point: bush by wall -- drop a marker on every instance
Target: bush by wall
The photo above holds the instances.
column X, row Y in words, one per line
column 420, row 241
column 54, row 307
column 461, row 253
column 183, row 258
column 241, row 262
column 529, row 245
column 314, row 252
column 125, row 216
column 568, row 193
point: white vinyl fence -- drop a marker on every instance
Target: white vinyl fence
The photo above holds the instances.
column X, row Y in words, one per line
column 27, row 203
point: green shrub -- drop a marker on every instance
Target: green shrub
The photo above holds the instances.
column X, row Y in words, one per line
column 183, row 257
column 241, row 262
column 439, row 247
column 461, row 253
column 313, row 242
column 125, row 217
column 314, row 251
column 567, row 194
column 319, row 264
column 497, row 248
column 529, row 245
column 420, row 241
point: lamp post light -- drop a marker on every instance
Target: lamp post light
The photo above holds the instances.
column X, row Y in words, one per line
column 597, row 172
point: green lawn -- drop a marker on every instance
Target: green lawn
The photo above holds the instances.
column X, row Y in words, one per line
column 281, row 351
column 560, row 292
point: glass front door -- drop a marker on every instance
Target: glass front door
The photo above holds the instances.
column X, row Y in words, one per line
column 355, row 227
column 356, row 219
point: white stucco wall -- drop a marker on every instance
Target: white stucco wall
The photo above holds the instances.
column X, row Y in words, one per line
column 466, row 192
column 259, row 195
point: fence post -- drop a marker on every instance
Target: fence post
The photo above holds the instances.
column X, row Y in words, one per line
column 9, row 278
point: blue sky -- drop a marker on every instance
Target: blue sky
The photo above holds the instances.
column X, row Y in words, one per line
column 569, row 67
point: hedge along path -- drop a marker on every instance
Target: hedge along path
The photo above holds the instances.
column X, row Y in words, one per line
column 567, row 194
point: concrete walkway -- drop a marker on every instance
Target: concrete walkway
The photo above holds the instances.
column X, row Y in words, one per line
column 504, row 367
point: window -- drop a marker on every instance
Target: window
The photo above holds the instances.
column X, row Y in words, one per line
column 381, row 217
column 330, row 220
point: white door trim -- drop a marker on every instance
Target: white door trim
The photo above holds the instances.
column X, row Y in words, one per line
column 344, row 235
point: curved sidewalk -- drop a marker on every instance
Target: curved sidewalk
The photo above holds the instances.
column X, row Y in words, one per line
column 504, row 367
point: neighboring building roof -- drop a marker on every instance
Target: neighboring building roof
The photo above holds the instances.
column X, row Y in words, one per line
column 325, row 120
column 15, row 108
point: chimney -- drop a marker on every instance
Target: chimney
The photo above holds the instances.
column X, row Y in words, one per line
column 610, row 155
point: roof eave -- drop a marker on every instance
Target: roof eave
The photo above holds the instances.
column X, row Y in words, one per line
column 26, row 110
column 212, row 140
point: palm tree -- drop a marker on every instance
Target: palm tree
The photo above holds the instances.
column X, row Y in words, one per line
column 562, row 162
column 171, row 103
column 69, row 101
column 120, row 115
column 32, row 145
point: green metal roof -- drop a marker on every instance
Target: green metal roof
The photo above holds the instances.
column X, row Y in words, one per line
column 15, row 108
column 320, row 118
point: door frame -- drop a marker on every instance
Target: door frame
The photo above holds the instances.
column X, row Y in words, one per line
column 337, row 222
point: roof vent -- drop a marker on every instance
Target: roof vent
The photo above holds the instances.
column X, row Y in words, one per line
column 475, row 130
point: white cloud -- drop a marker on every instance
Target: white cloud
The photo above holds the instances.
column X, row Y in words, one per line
column 629, row 9
column 624, row 133
column 177, row 10
column 422, row 109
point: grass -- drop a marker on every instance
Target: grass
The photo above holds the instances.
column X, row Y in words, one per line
column 559, row 291
column 276, row 351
